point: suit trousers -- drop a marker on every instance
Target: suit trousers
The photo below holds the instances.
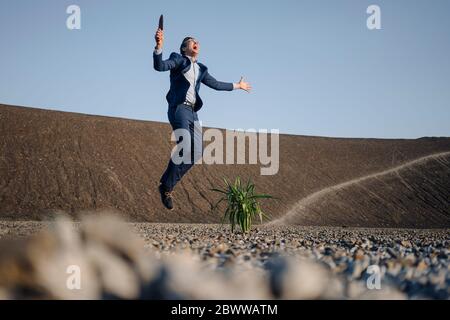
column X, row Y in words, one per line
column 183, row 117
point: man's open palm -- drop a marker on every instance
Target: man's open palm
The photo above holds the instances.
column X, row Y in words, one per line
column 244, row 85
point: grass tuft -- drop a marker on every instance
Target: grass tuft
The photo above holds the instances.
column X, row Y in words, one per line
column 242, row 204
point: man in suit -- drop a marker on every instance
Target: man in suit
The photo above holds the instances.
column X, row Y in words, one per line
column 186, row 75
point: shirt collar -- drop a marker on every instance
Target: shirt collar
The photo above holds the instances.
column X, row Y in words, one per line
column 192, row 59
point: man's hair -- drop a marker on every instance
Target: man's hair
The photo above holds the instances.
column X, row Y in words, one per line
column 184, row 44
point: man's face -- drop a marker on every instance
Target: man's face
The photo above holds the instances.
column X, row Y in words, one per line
column 193, row 47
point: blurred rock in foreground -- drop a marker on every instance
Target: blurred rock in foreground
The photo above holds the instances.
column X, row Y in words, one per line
column 102, row 258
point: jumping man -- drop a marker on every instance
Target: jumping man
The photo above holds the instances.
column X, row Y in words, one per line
column 186, row 74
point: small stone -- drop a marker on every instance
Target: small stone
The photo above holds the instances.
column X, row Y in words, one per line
column 442, row 255
column 391, row 253
column 409, row 260
column 357, row 270
column 393, row 268
column 406, row 244
column 221, row 248
column 328, row 251
column 359, row 254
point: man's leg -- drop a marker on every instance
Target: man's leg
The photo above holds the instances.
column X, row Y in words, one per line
column 195, row 132
column 174, row 172
column 184, row 118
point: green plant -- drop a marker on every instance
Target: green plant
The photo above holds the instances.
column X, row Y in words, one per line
column 242, row 204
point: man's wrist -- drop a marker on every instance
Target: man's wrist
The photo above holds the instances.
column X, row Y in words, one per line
column 158, row 50
column 236, row 86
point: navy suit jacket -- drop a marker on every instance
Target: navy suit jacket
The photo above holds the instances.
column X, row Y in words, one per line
column 179, row 64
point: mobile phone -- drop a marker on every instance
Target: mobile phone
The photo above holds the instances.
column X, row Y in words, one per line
column 161, row 22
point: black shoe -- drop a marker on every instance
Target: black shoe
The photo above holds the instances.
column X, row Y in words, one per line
column 166, row 197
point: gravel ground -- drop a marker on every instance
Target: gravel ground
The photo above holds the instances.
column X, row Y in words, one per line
column 413, row 264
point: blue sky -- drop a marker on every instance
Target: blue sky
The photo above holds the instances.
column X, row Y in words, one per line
column 314, row 66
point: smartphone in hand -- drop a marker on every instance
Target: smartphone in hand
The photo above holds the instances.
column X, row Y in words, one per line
column 161, row 22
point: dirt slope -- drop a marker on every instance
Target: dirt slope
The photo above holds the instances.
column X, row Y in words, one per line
column 58, row 160
column 414, row 194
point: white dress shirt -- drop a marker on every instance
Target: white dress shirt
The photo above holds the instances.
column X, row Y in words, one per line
column 192, row 76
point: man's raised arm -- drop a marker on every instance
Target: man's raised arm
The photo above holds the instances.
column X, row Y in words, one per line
column 158, row 63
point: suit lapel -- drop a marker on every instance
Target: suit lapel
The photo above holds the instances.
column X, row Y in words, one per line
column 187, row 65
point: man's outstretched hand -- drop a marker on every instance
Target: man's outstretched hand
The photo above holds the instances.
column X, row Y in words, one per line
column 159, row 38
column 243, row 85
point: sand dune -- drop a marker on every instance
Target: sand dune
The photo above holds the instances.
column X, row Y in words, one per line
column 53, row 160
